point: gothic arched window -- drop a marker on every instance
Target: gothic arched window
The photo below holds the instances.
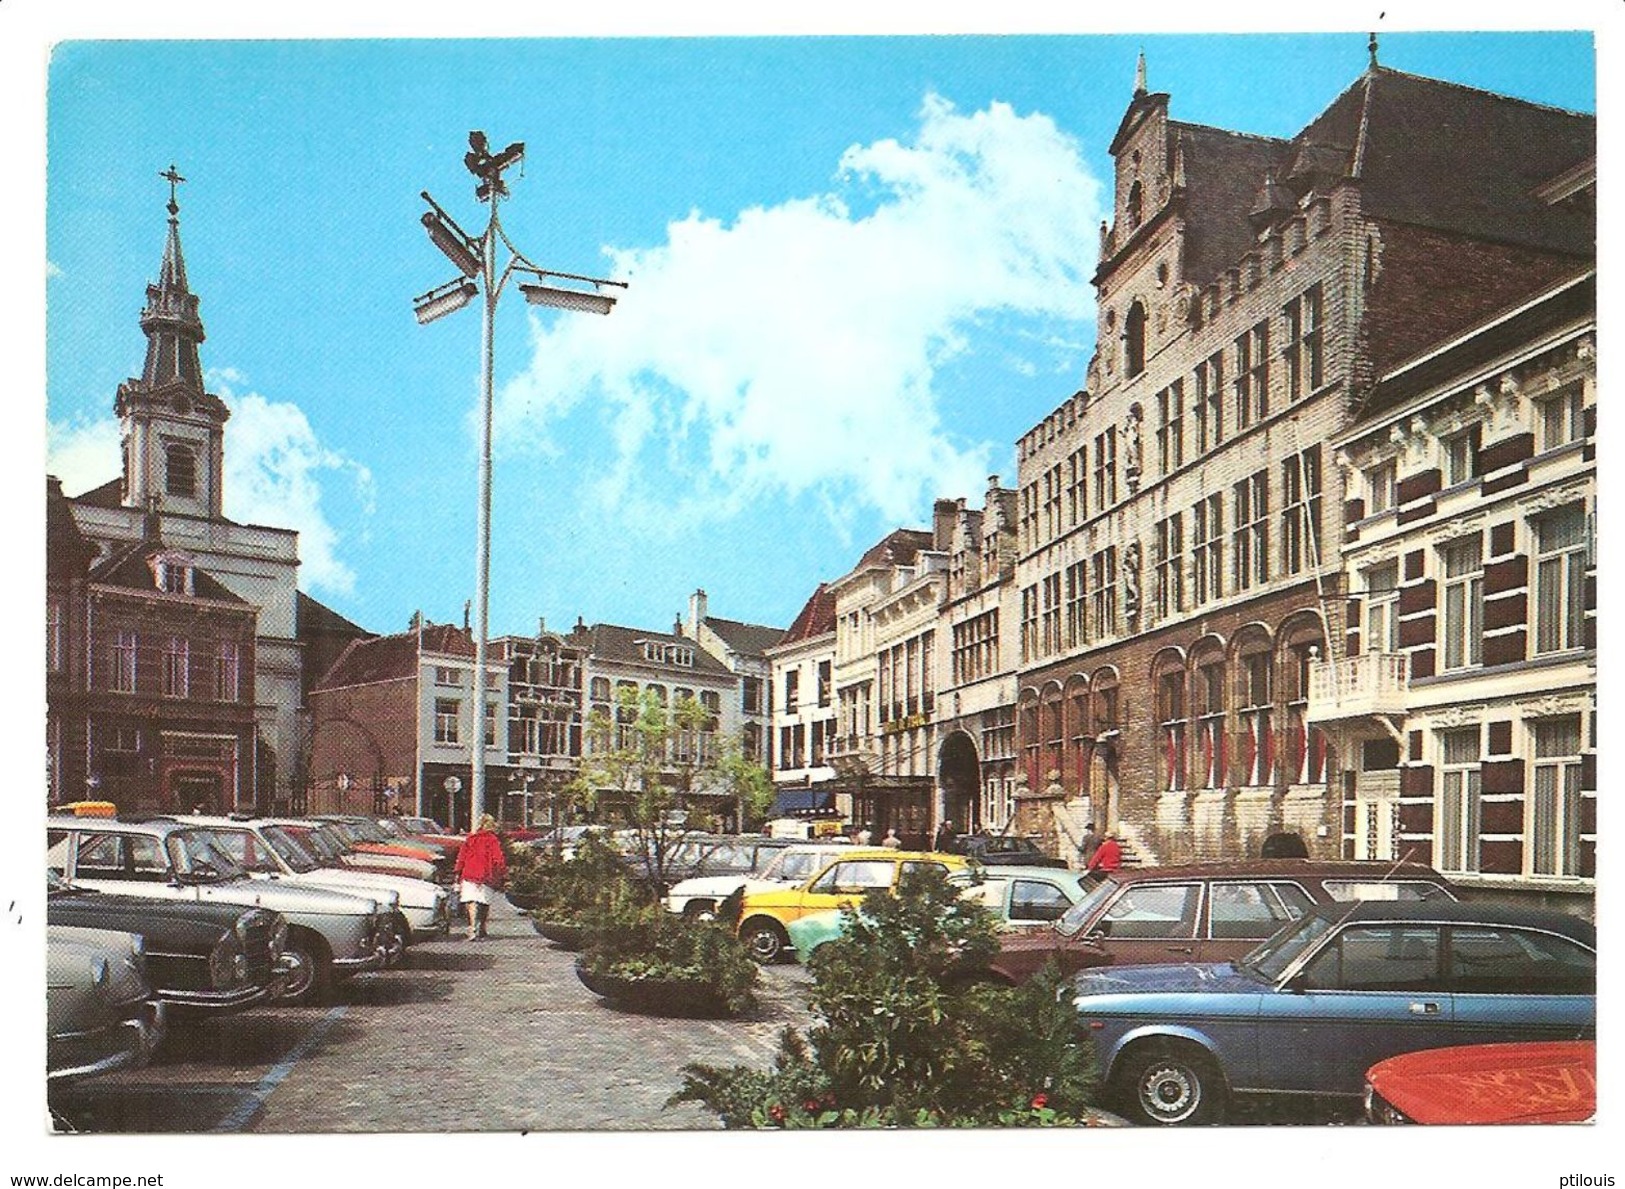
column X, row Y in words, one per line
column 1136, row 204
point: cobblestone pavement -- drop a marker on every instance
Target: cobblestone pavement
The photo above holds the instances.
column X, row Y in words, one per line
column 492, row 1035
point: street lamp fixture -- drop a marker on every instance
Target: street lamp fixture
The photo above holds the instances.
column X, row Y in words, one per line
column 597, row 300
column 476, row 259
column 444, row 299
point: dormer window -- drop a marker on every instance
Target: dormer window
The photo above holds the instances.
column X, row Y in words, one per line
column 662, row 652
column 172, row 573
column 180, row 470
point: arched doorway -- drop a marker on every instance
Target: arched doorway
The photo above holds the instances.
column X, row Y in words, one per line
column 959, row 774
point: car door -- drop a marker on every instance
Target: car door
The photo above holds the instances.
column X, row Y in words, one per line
column 1150, row 922
column 1035, row 903
column 1372, row 990
column 1242, row 913
column 844, row 883
column 1514, row 984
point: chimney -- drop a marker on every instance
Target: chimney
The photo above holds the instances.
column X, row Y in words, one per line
column 943, row 515
column 541, row 625
column 698, row 611
column 677, row 625
column 468, row 605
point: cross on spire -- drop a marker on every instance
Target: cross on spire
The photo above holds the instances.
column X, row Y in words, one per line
column 174, row 179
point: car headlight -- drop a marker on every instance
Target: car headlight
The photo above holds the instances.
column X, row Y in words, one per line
column 228, row 965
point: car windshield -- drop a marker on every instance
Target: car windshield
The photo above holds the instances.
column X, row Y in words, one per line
column 345, row 830
column 325, row 846
column 1271, row 958
column 247, row 850
column 1084, row 910
column 293, row 852
column 392, row 827
column 422, row 825
column 200, row 855
column 370, row 830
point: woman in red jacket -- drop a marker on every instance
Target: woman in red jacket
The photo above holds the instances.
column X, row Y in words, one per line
column 483, row 869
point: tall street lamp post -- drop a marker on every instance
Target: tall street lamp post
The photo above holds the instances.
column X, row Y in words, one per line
column 477, row 258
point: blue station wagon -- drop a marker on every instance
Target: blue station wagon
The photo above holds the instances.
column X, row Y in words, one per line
column 1319, row 1003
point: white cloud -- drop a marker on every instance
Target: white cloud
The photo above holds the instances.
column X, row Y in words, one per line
column 797, row 348
column 276, row 469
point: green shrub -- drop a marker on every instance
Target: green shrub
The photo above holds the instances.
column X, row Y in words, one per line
column 567, row 891
column 911, row 1034
column 628, row 939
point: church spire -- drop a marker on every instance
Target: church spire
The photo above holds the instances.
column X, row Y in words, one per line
column 170, row 320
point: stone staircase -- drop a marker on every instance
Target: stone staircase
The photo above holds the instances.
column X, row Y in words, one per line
column 1070, row 819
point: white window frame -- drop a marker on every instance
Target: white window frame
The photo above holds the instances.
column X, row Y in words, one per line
column 1461, row 563
column 1458, row 819
column 1554, row 803
column 174, row 673
column 1558, row 592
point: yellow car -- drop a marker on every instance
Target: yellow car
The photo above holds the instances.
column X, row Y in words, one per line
column 764, row 915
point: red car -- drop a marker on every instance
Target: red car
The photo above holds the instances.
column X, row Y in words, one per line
column 1534, row 1082
column 1205, row 912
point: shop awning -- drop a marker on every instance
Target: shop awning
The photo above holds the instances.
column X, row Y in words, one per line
column 813, row 802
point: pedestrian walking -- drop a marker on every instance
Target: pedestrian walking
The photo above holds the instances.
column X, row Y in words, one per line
column 1108, row 856
column 944, row 840
column 891, row 841
column 482, row 869
column 1088, row 844
column 861, row 836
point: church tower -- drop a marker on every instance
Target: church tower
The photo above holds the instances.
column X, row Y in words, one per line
column 172, row 430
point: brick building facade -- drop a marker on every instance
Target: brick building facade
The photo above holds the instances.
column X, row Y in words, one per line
column 1465, row 706
column 1180, row 520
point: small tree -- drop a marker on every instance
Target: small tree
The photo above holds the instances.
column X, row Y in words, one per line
column 645, row 761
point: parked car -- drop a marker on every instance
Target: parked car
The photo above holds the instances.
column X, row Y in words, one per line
column 1009, row 850
column 324, row 840
column 366, row 835
column 421, row 829
column 1205, row 912
column 563, row 840
column 791, row 864
column 99, row 1010
column 418, row 908
column 1329, row 996
column 765, row 916
column 1019, row 898
column 1540, row 1082
column 330, row 934
column 697, row 855
column 199, row 957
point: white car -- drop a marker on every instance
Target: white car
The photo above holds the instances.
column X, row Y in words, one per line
column 99, row 1009
column 268, row 851
column 330, row 934
column 699, row 897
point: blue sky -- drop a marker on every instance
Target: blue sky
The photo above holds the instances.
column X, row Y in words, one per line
column 859, row 270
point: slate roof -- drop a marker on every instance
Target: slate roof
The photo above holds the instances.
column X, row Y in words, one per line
column 128, row 567
column 393, row 657
column 316, row 617
column 816, row 618
column 1444, row 155
column 612, row 642
column 897, row 548
column 1425, row 152
column 108, row 495
column 747, row 639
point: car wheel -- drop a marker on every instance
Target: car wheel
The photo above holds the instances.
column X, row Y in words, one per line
column 765, row 939
column 310, row 979
column 700, row 910
column 1171, row 1085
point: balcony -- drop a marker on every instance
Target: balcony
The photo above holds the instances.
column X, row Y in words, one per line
column 1376, row 683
